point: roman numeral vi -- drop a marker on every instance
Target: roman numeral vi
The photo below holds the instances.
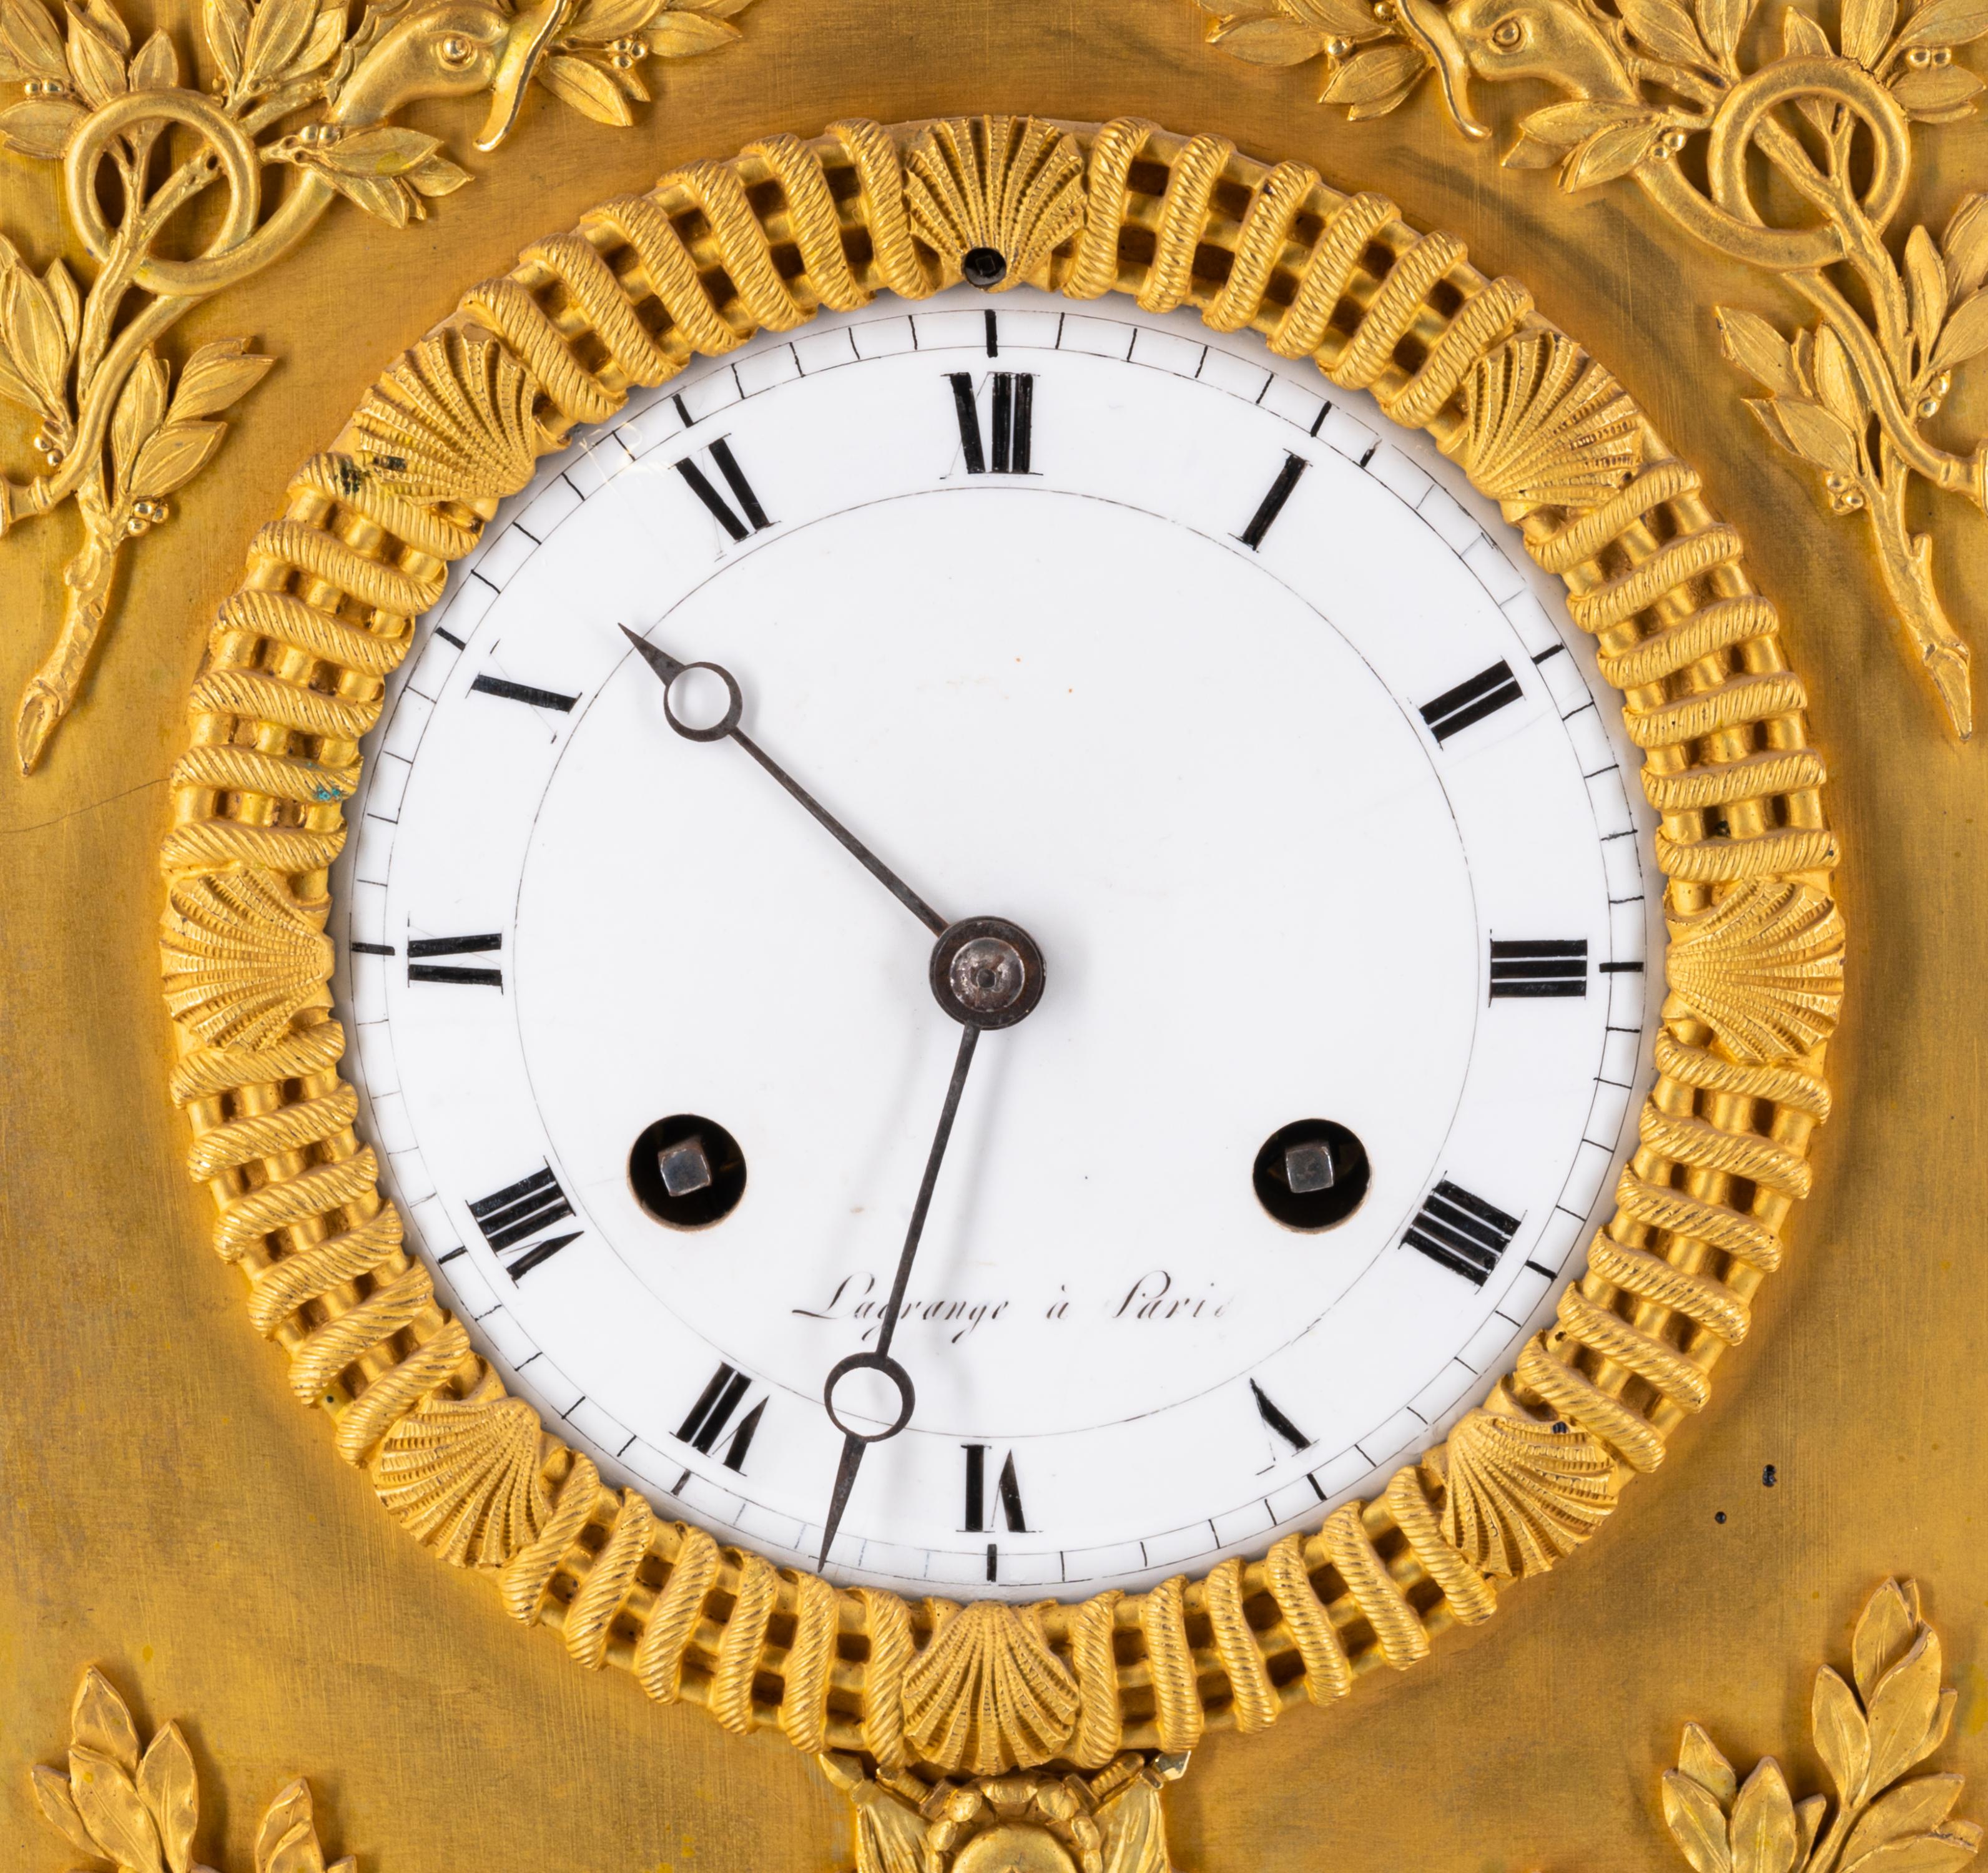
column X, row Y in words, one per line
column 1007, row 1492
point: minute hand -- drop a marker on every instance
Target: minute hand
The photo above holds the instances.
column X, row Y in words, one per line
column 854, row 1443
column 668, row 669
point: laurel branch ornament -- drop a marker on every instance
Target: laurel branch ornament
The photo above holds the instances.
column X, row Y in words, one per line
column 294, row 86
column 1897, row 315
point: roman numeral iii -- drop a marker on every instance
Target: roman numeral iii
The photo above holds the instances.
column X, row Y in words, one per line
column 1461, row 1233
column 714, row 1410
column 511, row 1217
column 1531, row 970
column 1012, row 426
column 1007, row 1492
column 1470, row 701
column 750, row 517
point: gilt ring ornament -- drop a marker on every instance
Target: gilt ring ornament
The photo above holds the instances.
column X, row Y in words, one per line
column 294, row 678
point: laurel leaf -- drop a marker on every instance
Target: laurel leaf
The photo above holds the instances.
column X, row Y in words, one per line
column 685, row 36
column 1926, row 1853
column 1610, row 154
column 99, row 1721
column 1764, row 1837
column 1269, row 42
column 1721, row 22
column 383, row 197
column 298, row 1851
column 277, row 31
column 216, row 376
column 1884, row 1631
column 1697, row 1824
column 174, row 456
column 1903, row 1710
column 290, row 1810
column 31, row 37
column 1966, row 335
column 227, row 25
column 1700, row 1758
column 1946, row 22
column 1808, row 1819
column 1750, row 342
column 1965, row 244
column 156, row 67
column 112, row 1811
column 1936, row 94
column 1350, row 19
column 1666, row 29
column 327, row 35
column 1867, row 30
column 94, row 61
column 594, row 22
column 40, row 126
column 586, row 88
column 52, row 1796
column 438, row 176
column 1842, row 1738
column 1926, row 275
column 386, row 149
column 1818, row 436
column 1373, row 78
column 1836, row 380
column 1918, row 1807
column 141, row 408
column 167, row 1786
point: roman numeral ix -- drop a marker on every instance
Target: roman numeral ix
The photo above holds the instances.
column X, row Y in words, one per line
column 1013, row 425
column 1531, row 971
column 510, row 1217
column 750, row 517
column 1483, row 695
column 714, row 1410
column 1461, row 1233
column 418, row 971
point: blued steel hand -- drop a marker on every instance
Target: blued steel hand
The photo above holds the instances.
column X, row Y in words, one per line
column 668, row 669
column 855, row 1443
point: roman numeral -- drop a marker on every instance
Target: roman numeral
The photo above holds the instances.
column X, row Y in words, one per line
column 1007, row 1492
column 713, row 1411
column 1272, row 1415
column 1013, row 424
column 750, row 517
column 1485, row 694
column 1530, row 971
column 1273, row 503
column 453, row 946
column 1461, row 1232
column 508, row 1218
column 523, row 692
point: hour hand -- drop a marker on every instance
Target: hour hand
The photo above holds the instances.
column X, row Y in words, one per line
column 670, row 669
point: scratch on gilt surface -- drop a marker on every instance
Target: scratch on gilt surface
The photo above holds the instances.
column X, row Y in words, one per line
column 109, row 799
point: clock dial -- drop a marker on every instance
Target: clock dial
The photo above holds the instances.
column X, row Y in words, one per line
column 1304, row 1008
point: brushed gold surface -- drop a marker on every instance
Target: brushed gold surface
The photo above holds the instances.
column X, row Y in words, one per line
column 170, row 1516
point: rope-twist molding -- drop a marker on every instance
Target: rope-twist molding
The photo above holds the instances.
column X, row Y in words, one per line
column 298, row 662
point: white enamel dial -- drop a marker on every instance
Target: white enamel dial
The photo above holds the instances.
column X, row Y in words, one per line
column 1241, row 704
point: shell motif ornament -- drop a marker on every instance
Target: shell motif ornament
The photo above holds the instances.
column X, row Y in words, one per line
column 451, row 421
column 1763, row 968
column 462, row 1475
column 241, row 957
column 995, row 197
column 1522, row 1495
column 1546, row 425
column 987, row 1694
